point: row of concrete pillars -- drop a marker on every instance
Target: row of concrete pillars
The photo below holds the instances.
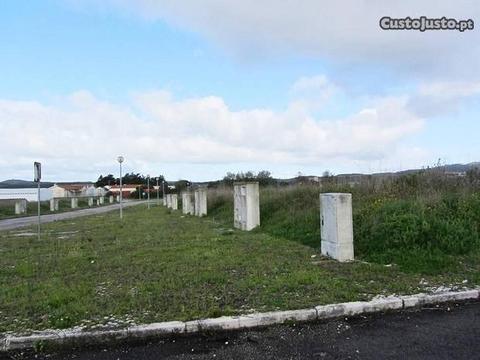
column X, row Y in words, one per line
column 54, row 203
column 193, row 203
column 336, row 221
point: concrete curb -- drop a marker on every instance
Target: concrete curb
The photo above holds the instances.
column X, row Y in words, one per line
column 78, row 337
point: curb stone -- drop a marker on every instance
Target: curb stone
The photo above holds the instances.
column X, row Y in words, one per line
column 77, row 337
column 425, row 299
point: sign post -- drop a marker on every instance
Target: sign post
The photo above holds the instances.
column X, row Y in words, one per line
column 37, row 176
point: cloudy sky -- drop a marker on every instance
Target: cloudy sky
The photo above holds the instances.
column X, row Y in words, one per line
column 193, row 89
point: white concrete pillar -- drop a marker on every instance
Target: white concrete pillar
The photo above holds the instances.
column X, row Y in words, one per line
column 110, row 199
column 98, row 202
column 246, row 202
column 336, row 226
column 90, row 201
column 20, row 206
column 101, row 200
column 174, row 202
column 164, row 200
column 118, row 198
column 74, row 203
column 169, row 201
column 54, row 204
column 187, row 203
column 200, row 202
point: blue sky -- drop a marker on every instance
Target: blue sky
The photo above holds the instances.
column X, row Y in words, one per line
column 196, row 89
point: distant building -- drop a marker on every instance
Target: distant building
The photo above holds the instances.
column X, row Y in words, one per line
column 127, row 189
column 30, row 194
column 65, row 190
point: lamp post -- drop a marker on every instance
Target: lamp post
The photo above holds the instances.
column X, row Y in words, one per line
column 158, row 194
column 163, row 192
column 120, row 160
column 148, row 191
column 37, row 169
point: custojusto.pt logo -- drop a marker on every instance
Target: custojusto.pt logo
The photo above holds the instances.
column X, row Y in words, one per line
column 424, row 23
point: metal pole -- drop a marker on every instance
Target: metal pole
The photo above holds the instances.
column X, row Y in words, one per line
column 148, row 191
column 38, row 208
column 121, row 192
column 158, row 193
column 163, row 190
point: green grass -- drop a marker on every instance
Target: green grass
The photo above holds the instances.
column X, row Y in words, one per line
column 159, row 265
column 425, row 234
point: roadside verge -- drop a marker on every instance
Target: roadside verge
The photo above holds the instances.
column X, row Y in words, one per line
column 74, row 337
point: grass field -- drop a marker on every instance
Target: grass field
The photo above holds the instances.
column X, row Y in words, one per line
column 159, row 265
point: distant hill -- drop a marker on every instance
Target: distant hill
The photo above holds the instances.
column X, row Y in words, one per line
column 13, row 183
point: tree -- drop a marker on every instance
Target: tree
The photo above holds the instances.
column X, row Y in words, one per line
column 104, row 181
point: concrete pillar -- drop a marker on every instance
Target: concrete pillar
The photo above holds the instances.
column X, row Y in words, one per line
column 98, row 202
column 110, row 199
column 336, row 225
column 164, row 200
column 169, row 201
column 74, row 203
column 20, row 206
column 54, row 204
column 101, row 200
column 246, row 210
column 90, row 201
column 118, row 198
column 200, row 202
column 187, row 203
column 174, row 202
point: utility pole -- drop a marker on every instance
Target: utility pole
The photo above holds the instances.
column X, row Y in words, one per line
column 158, row 193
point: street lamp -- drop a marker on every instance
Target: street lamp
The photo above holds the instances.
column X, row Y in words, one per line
column 158, row 194
column 163, row 192
column 148, row 192
column 120, row 160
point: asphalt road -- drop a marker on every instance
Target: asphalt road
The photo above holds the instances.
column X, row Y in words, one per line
column 19, row 222
column 447, row 332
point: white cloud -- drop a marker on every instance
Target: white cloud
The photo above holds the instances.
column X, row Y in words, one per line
column 346, row 31
column 85, row 133
column 442, row 97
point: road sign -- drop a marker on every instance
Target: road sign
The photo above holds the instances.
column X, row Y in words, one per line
column 37, row 168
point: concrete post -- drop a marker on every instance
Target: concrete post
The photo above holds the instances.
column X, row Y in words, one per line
column 200, row 202
column 20, row 206
column 101, row 200
column 164, row 200
column 110, row 199
column 169, row 201
column 54, row 204
column 90, row 201
column 187, row 203
column 118, row 198
column 336, row 226
column 98, row 202
column 246, row 209
column 174, row 202
column 74, row 203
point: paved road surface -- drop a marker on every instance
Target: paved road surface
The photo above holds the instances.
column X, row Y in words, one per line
column 448, row 332
column 19, row 222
